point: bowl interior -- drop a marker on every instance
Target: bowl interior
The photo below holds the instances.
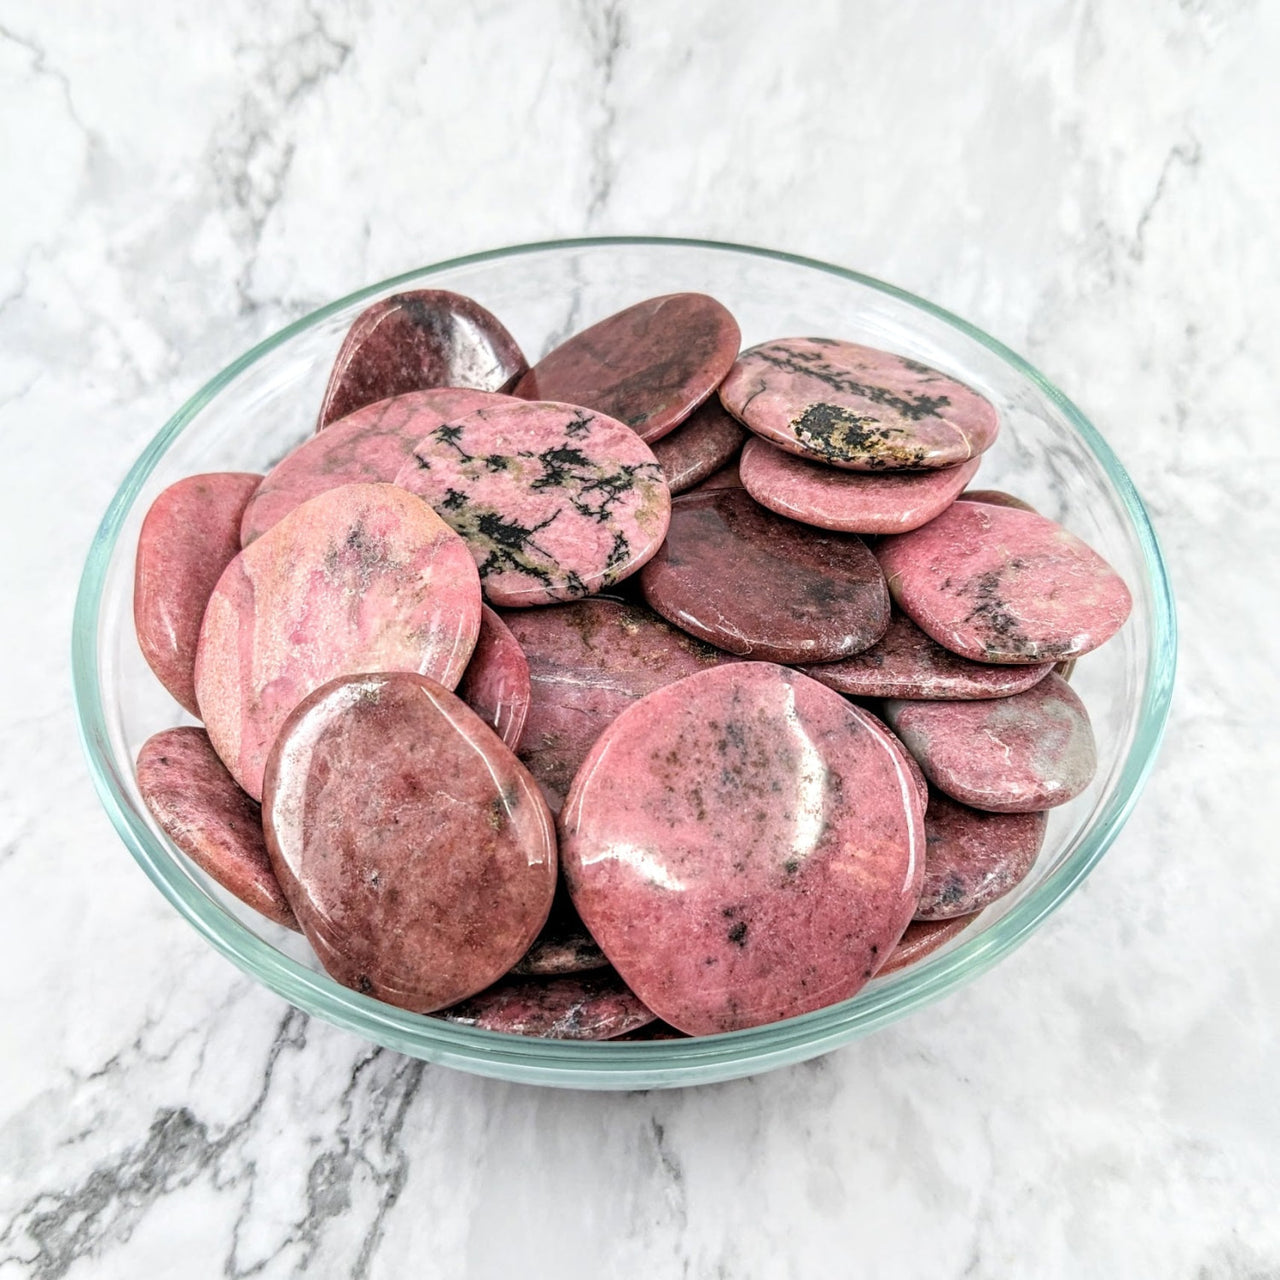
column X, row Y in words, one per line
column 260, row 407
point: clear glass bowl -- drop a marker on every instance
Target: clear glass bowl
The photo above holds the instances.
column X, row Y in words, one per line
column 255, row 410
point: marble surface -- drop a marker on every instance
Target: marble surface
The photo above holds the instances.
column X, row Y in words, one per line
column 1090, row 182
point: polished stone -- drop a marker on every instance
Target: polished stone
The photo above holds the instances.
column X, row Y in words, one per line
column 700, row 446
column 891, row 740
column 727, row 477
column 565, row 945
column 495, row 684
column 922, row 938
column 995, row 498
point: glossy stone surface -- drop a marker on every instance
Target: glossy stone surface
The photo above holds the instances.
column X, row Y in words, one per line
column 707, row 441
column 855, row 407
column 649, row 366
column 994, row 498
column 727, row 477
column 972, row 858
column 589, row 1006
column 853, row 501
column 1020, row 754
column 369, row 447
column 755, row 584
column 495, row 684
column 711, row 847
column 413, row 846
column 905, row 663
column 922, row 938
column 362, row 578
column 588, row 662
column 564, row 946
column 996, row 584
column 200, row 808
column 189, row 536
column 555, row 502
column 918, row 780
column 416, row 341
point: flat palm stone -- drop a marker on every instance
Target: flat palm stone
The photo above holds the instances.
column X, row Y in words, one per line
column 700, row 446
column 994, row 498
column 495, row 684
column 923, row 938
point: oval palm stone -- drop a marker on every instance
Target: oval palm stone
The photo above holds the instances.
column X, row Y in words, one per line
column 695, row 449
column 495, row 684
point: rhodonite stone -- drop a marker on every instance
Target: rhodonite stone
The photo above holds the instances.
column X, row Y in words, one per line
column 905, row 663
column 563, row 946
column 200, row 808
column 755, row 584
column 362, row 578
column 973, row 858
column 190, row 534
column 589, row 1006
column 414, row 848
column 555, row 502
column 856, row 407
column 656, row 1030
column 997, row 584
column 369, row 447
column 1020, row 754
column 588, row 662
column 416, row 341
column 496, row 682
column 907, row 759
column 922, row 938
column 708, row 441
column 852, row 501
column 713, row 846
column 994, row 498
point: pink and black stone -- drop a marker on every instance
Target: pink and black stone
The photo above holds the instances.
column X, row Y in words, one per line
column 855, row 407
column 997, row 584
column 201, row 809
column 1020, row 754
column 361, row 578
column 190, row 534
column 712, row 847
column 563, row 946
column 495, row 684
column 416, row 341
column 758, row 585
column 414, row 848
column 922, row 938
column 707, row 441
column 649, row 366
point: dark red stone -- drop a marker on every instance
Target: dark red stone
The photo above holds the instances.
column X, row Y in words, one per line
column 728, row 477
column 563, row 946
column 922, row 938
column 710, row 439
column 495, row 684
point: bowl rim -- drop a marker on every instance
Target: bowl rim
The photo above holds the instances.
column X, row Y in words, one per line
column 613, row 1065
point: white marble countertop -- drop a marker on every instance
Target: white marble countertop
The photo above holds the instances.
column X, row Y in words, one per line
column 1095, row 183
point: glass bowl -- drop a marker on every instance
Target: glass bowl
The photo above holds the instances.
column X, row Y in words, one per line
column 266, row 402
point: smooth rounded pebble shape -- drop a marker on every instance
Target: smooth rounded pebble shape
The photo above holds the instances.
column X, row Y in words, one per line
column 190, row 534
column 743, row 847
column 709, row 440
column 495, row 684
column 413, row 846
column 649, row 366
column 994, row 498
column 563, row 946
column 855, row 407
column 727, row 477
column 1021, row 754
column 918, row 779
column 922, row 938
column 761, row 586
column 365, row 577
column 997, row 584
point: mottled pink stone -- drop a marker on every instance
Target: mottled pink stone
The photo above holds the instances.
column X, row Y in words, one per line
column 997, row 584
column 918, row 780
column 362, row 578
column 496, row 682
column 369, row 447
column 973, row 858
column 649, row 366
column 707, row 441
column 712, row 843
column 1020, row 754
column 413, row 846
column 994, row 498
column 416, row 341
column 190, row 534
column 855, row 407
column 758, row 585
column 563, row 946
column 200, row 808
column 905, row 663
column 922, row 938
column 852, row 501
column 555, row 502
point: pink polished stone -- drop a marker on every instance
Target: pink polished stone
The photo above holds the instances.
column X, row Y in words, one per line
column 973, row 858
column 908, row 761
column 496, row 683
column 563, row 946
column 996, row 584
column 905, row 663
column 649, row 366
column 728, row 477
column 362, row 578
column 856, row 407
column 369, row 447
column 189, row 536
column 754, row 584
column 414, row 342
column 694, row 450
column 555, row 502
column 851, row 501
column 994, row 498
column 588, row 662
column 713, row 846
column 1020, row 754
column 414, row 847
column 200, row 808
column 922, row 938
